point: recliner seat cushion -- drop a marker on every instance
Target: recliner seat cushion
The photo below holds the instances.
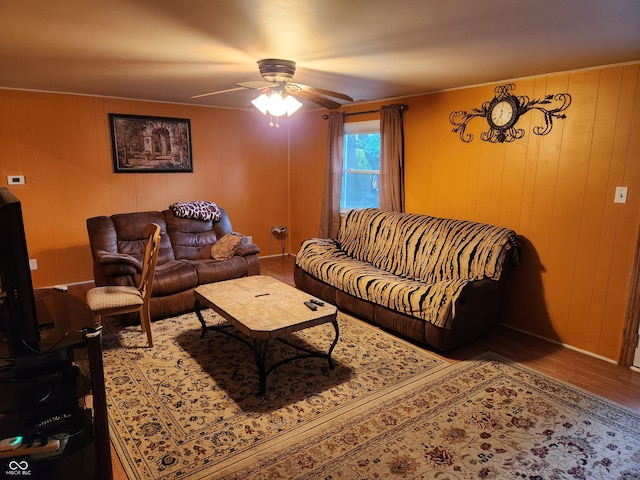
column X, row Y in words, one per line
column 215, row 271
column 173, row 277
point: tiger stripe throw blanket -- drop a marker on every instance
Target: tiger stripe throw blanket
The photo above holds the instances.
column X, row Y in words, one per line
column 414, row 264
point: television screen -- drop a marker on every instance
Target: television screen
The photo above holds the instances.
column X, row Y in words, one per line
column 18, row 318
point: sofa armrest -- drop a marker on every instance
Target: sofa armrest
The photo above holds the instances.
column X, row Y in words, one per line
column 123, row 259
column 115, row 269
column 247, row 249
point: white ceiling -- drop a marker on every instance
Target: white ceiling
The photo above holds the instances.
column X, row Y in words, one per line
column 171, row 50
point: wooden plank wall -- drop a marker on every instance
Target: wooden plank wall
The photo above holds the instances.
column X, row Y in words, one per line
column 61, row 144
column 556, row 191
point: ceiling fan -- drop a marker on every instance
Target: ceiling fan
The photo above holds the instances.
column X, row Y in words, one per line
column 277, row 75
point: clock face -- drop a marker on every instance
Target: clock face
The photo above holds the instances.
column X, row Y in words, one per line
column 502, row 113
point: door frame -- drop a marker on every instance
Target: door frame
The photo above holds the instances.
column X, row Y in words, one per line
column 632, row 322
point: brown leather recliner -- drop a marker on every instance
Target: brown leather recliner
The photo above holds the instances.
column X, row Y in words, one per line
column 184, row 261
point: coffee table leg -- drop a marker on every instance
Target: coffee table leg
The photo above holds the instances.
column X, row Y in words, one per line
column 333, row 345
column 196, row 307
column 260, row 347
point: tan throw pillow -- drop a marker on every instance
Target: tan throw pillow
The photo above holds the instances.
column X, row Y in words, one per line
column 226, row 246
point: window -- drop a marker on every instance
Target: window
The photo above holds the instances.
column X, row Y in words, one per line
column 361, row 168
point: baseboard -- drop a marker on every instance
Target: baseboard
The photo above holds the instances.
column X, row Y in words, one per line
column 555, row 342
column 83, row 282
column 279, row 255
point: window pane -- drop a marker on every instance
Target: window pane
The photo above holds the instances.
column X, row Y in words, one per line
column 359, row 190
column 360, row 178
column 362, row 151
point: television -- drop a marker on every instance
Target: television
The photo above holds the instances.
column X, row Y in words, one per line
column 18, row 317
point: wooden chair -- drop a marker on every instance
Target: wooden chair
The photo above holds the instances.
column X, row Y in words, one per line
column 117, row 299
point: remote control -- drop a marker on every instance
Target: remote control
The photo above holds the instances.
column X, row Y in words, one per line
column 310, row 306
column 317, row 302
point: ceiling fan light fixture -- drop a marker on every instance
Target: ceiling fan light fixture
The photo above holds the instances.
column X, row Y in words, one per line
column 273, row 103
column 292, row 104
column 261, row 103
column 276, row 107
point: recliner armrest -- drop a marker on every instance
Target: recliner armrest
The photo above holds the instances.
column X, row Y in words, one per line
column 107, row 258
column 247, row 249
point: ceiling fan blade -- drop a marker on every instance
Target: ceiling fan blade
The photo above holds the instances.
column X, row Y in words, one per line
column 257, row 85
column 218, row 92
column 328, row 93
column 315, row 98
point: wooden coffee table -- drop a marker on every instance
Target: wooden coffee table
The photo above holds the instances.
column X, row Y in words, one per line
column 263, row 308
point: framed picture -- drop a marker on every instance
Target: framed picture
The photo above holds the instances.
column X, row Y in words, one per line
column 142, row 144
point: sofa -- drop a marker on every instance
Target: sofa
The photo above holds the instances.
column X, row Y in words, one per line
column 194, row 250
column 440, row 282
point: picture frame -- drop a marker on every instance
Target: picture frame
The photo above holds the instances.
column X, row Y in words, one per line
column 147, row 144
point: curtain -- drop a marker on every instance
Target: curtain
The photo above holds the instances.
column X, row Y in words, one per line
column 330, row 213
column 392, row 158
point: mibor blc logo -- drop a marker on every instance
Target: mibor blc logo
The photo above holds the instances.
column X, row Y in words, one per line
column 18, row 468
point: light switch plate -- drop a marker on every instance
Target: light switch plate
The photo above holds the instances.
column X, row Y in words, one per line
column 15, row 180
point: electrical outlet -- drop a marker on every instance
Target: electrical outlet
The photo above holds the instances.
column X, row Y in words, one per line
column 621, row 195
column 33, row 264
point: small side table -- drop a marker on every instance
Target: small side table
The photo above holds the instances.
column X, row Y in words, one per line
column 278, row 231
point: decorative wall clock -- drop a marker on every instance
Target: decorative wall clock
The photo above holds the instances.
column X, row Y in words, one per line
column 504, row 110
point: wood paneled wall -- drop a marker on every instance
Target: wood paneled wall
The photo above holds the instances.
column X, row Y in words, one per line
column 556, row 191
column 61, row 144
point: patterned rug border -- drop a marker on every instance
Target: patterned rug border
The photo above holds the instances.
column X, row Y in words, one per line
column 591, row 405
column 490, row 356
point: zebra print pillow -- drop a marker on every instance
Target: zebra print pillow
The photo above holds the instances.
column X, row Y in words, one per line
column 198, row 210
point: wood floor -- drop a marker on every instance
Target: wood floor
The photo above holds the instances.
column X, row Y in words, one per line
column 600, row 377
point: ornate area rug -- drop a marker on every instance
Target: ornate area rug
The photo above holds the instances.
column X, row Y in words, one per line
column 188, row 408
column 483, row 419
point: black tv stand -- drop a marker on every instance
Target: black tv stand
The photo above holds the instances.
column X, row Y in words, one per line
column 61, row 437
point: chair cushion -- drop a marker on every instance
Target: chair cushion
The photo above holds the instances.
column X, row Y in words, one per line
column 113, row 296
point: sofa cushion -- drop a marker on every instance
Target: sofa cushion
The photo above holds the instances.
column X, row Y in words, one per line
column 191, row 239
column 173, row 277
column 215, row 271
column 129, row 229
column 432, row 302
column 425, row 248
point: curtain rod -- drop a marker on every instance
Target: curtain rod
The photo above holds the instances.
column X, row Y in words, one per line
column 404, row 109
